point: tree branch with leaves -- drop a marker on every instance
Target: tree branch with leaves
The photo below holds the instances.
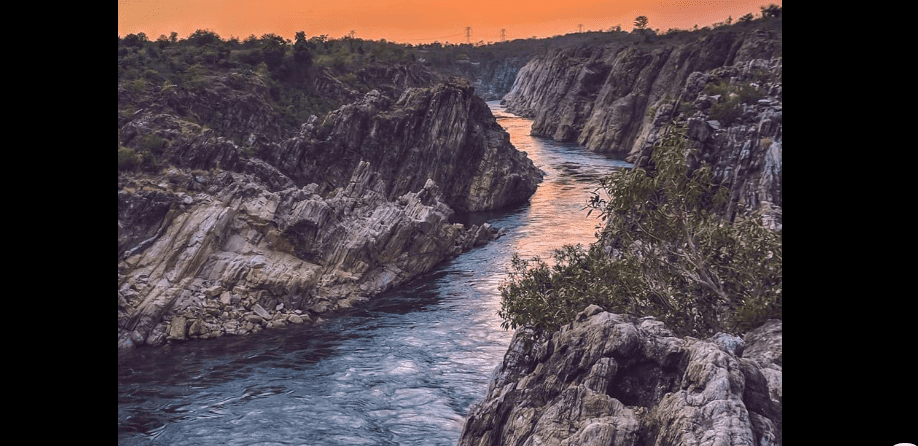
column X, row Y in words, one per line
column 666, row 250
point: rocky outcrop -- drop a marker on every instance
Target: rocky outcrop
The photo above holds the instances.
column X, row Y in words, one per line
column 600, row 96
column 445, row 131
column 620, row 98
column 617, row 380
column 225, row 243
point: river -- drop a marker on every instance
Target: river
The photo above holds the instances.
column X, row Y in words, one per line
column 401, row 370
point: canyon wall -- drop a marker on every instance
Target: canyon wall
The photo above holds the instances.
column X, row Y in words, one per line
column 223, row 242
column 618, row 98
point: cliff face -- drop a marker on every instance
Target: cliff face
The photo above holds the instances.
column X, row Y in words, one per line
column 225, row 243
column 618, row 99
column 492, row 77
column 445, row 132
column 599, row 96
column 615, row 380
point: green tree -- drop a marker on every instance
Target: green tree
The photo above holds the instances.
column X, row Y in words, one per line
column 273, row 48
column 640, row 22
column 666, row 250
column 771, row 10
column 302, row 51
column 203, row 37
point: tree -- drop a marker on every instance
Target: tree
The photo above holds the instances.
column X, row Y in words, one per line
column 136, row 40
column 202, row 37
column 640, row 22
column 302, row 50
column 667, row 250
column 162, row 41
column 273, row 48
column 771, row 10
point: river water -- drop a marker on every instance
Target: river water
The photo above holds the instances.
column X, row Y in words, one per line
column 401, row 370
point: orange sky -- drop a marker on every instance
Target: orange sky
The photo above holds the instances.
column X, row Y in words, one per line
column 418, row 21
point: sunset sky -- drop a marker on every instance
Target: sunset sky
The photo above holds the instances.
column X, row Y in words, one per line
column 419, row 21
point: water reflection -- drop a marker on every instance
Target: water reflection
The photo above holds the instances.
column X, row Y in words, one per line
column 401, row 370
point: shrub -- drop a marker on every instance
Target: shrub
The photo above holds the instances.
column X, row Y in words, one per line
column 726, row 112
column 127, row 159
column 665, row 251
column 730, row 107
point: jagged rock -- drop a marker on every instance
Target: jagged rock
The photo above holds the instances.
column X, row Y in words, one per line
column 225, row 237
column 618, row 380
column 445, row 131
column 618, row 98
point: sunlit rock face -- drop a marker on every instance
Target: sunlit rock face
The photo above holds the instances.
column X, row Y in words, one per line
column 224, row 243
column 616, row 380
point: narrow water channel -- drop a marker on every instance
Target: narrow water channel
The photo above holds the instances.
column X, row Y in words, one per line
column 401, row 370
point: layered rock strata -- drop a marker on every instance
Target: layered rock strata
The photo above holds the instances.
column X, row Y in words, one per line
column 600, row 95
column 223, row 243
column 617, row 380
column 446, row 133
column 620, row 98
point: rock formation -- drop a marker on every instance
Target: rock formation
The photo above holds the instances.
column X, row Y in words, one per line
column 445, row 131
column 492, row 77
column 619, row 98
column 617, row 380
column 225, row 243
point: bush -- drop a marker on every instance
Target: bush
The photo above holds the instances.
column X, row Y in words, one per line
column 665, row 251
column 127, row 159
column 726, row 112
column 730, row 107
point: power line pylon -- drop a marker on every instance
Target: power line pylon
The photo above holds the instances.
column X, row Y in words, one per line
column 468, row 34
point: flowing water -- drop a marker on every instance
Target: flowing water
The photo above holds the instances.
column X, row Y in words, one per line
column 401, row 370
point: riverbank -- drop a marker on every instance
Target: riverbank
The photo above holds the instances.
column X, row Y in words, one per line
column 401, row 368
column 223, row 243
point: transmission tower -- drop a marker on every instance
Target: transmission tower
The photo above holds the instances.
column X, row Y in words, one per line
column 581, row 27
column 503, row 35
column 468, row 34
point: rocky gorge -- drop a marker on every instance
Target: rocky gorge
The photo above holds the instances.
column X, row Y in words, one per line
column 619, row 98
column 263, row 227
column 225, row 243
column 615, row 379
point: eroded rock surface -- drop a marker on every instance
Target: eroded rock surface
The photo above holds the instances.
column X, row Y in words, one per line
column 619, row 98
column 617, row 380
column 225, row 243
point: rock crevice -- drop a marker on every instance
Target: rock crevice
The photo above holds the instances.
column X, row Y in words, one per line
column 224, row 243
column 619, row 380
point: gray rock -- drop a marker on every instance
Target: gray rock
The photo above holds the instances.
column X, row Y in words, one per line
column 178, row 329
column 369, row 211
column 616, row 380
column 257, row 309
column 604, row 97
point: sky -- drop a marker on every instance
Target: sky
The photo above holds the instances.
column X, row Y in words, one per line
column 419, row 21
